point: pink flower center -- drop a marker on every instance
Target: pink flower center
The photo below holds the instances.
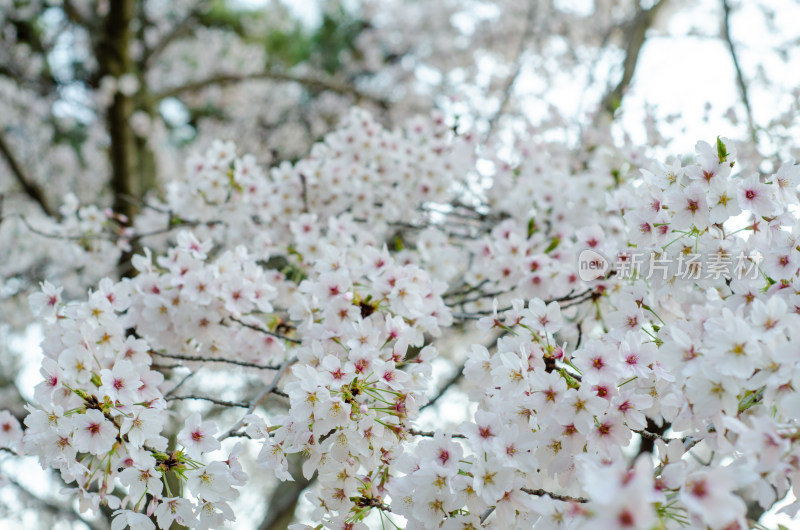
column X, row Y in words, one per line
column 485, row 432
column 625, row 518
column 361, row 365
column 604, row 429
column 698, row 489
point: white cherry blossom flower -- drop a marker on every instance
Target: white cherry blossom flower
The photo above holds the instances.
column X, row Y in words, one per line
column 93, row 433
column 198, row 437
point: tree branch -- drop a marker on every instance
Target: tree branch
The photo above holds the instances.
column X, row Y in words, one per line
column 215, row 401
column 443, row 390
column 266, row 331
column 253, row 404
column 431, row 434
column 199, row 358
column 635, row 36
column 178, row 30
column 556, row 496
column 726, row 33
column 113, row 51
column 30, row 188
column 56, row 509
column 512, row 79
column 308, row 82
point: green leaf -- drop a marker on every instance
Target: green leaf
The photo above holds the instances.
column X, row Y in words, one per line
column 722, row 151
column 553, row 244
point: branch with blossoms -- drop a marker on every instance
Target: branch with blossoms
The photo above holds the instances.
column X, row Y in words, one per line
column 580, row 368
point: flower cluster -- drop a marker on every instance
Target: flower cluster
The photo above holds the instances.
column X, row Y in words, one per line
column 101, row 408
column 361, row 371
column 662, row 364
column 614, row 402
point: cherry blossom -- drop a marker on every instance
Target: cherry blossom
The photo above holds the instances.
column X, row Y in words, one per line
column 198, row 437
column 318, row 335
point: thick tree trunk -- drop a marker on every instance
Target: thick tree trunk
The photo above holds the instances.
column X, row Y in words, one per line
column 115, row 61
column 128, row 184
column 282, row 503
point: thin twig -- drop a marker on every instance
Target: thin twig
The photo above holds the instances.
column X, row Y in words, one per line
column 466, row 291
column 266, row 331
column 52, row 507
column 566, row 498
column 512, row 79
column 174, row 226
column 220, row 402
column 199, row 358
column 270, row 388
column 726, row 33
column 181, row 28
column 652, row 435
column 159, row 366
column 574, row 299
column 468, row 316
column 64, row 237
column 478, row 298
column 176, row 387
column 30, row 188
column 431, row 434
column 450, row 382
column 227, row 79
